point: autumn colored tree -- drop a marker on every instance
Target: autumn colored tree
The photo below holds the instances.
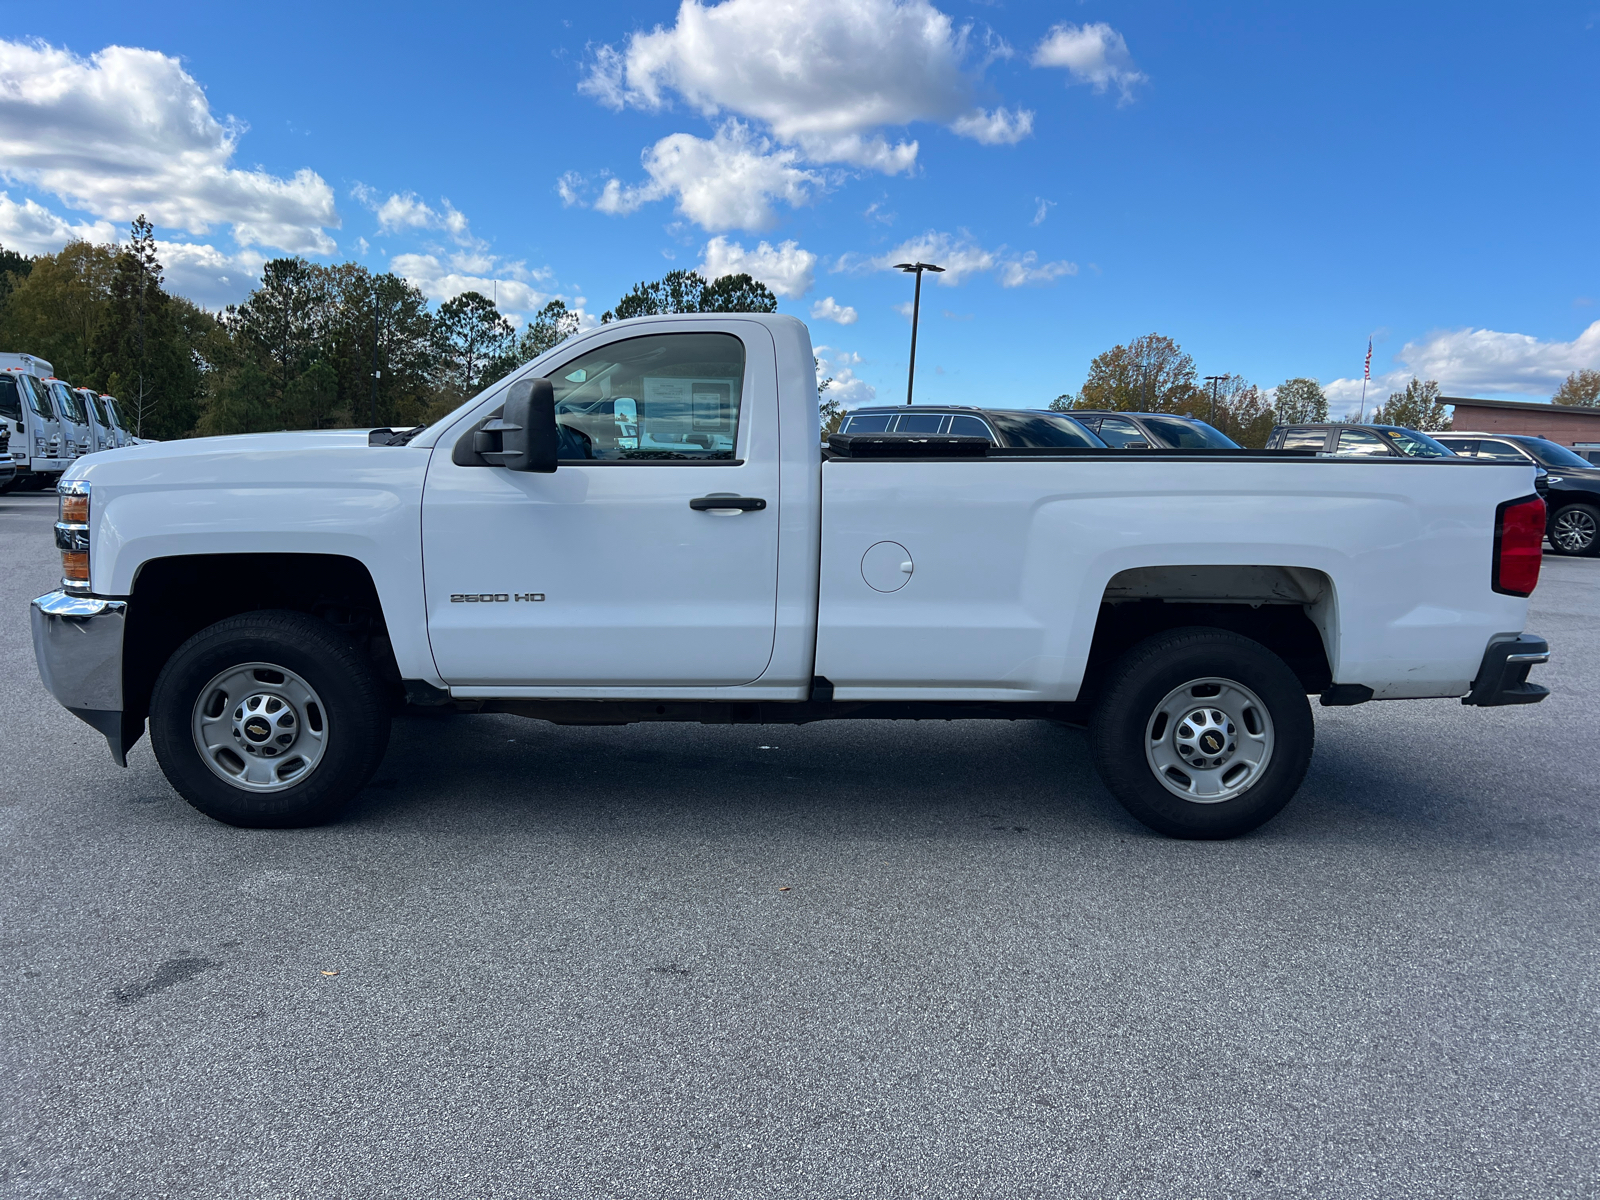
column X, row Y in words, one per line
column 1149, row 374
column 54, row 310
column 1582, row 388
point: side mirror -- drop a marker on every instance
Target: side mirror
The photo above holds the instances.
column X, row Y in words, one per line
column 524, row 436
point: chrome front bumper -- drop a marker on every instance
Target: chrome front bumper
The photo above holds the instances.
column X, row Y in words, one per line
column 77, row 641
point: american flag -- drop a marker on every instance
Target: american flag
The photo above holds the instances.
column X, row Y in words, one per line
column 1366, row 372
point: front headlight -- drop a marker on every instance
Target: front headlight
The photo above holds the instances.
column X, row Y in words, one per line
column 72, row 534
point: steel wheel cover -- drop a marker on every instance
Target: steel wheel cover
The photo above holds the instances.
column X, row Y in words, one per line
column 260, row 727
column 1208, row 740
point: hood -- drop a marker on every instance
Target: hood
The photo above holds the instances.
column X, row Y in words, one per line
column 307, row 455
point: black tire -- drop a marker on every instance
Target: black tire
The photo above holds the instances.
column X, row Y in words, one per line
column 1575, row 531
column 10, row 485
column 1125, row 717
column 352, row 713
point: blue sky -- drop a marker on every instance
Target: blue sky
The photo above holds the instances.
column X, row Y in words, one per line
column 1269, row 184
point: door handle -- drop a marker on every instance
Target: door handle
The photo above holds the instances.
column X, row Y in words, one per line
column 727, row 505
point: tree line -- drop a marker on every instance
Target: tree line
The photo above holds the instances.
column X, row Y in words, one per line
column 1153, row 374
column 310, row 347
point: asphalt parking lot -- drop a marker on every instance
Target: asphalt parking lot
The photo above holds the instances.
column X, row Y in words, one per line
column 853, row 960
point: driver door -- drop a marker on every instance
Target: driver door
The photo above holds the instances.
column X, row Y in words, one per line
column 602, row 575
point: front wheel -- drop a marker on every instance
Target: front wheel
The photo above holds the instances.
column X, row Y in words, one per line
column 1202, row 733
column 1575, row 530
column 268, row 720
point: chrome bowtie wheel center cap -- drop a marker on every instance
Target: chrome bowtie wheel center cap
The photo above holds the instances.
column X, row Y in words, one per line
column 266, row 724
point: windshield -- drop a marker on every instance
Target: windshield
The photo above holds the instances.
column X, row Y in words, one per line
column 1041, row 429
column 100, row 417
column 111, row 411
column 1551, row 455
column 1190, row 435
column 70, row 404
column 37, row 400
column 10, row 399
column 1416, row 445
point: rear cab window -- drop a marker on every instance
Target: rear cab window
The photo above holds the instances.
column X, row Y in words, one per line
column 1358, row 443
column 868, row 423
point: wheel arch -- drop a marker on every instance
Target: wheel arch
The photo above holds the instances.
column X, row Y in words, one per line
column 175, row 597
column 1291, row 610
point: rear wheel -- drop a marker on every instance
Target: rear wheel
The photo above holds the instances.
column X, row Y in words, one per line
column 270, row 720
column 1202, row 733
column 1575, row 530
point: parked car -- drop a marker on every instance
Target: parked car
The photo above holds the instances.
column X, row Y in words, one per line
column 266, row 601
column 1140, row 430
column 1002, row 426
column 1340, row 439
column 1573, row 484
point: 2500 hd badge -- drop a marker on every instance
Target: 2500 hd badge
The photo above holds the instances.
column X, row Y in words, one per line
column 493, row 597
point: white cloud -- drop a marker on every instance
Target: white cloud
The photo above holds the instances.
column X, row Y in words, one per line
column 728, row 182
column 787, row 270
column 207, row 275
column 569, row 188
column 1042, row 211
column 128, row 131
column 1094, row 54
column 1344, row 395
column 840, row 366
column 448, row 279
column 828, row 309
column 823, row 75
column 1484, row 360
column 405, row 210
column 962, row 258
column 1027, row 269
column 34, row 229
column 1002, row 127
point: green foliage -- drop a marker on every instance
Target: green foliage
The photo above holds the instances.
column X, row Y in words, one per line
column 142, row 349
column 1582, row 388
column 14, row 268
column 551, row 325
column 829, row 410
column 688, row 292
column 54, row 310
column 1149, row 374
column 1300, row 401
column 1417, row 407
column 468, row 335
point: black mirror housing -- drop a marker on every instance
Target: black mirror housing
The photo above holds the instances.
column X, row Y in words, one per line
column 522, row 436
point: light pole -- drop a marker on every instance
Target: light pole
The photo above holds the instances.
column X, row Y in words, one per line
column 374, row 352
column 916, row 307
column 1213, row 380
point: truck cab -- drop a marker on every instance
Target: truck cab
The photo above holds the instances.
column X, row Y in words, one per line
column 123, row 436
column 36, row 440
column 102, row 435
column 77, row 438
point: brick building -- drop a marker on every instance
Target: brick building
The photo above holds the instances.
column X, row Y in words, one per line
column 1573, row 427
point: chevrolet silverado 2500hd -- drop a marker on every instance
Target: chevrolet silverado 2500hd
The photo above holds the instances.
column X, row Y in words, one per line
column 639, row 526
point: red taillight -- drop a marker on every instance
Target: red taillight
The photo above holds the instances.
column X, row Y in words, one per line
column 1518, row 546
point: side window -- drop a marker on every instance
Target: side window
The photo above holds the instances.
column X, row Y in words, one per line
column 965, row 426
column 1358, row 443
column 919, row 423
column 1465, row 448
column 666, row 396
column 10, row 399
column 872, row 423
column 1501, row 452
column 1306, row 439
column 1119, row 431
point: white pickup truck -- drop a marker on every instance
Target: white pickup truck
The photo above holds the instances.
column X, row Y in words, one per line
column 640, row 526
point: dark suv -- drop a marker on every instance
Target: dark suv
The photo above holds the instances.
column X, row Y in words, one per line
column 1342, row 440
column 1140, row 430
column 1002, row 426
column 1574, row 484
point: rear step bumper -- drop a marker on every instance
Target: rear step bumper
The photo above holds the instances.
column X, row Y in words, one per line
column 1503, row 676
